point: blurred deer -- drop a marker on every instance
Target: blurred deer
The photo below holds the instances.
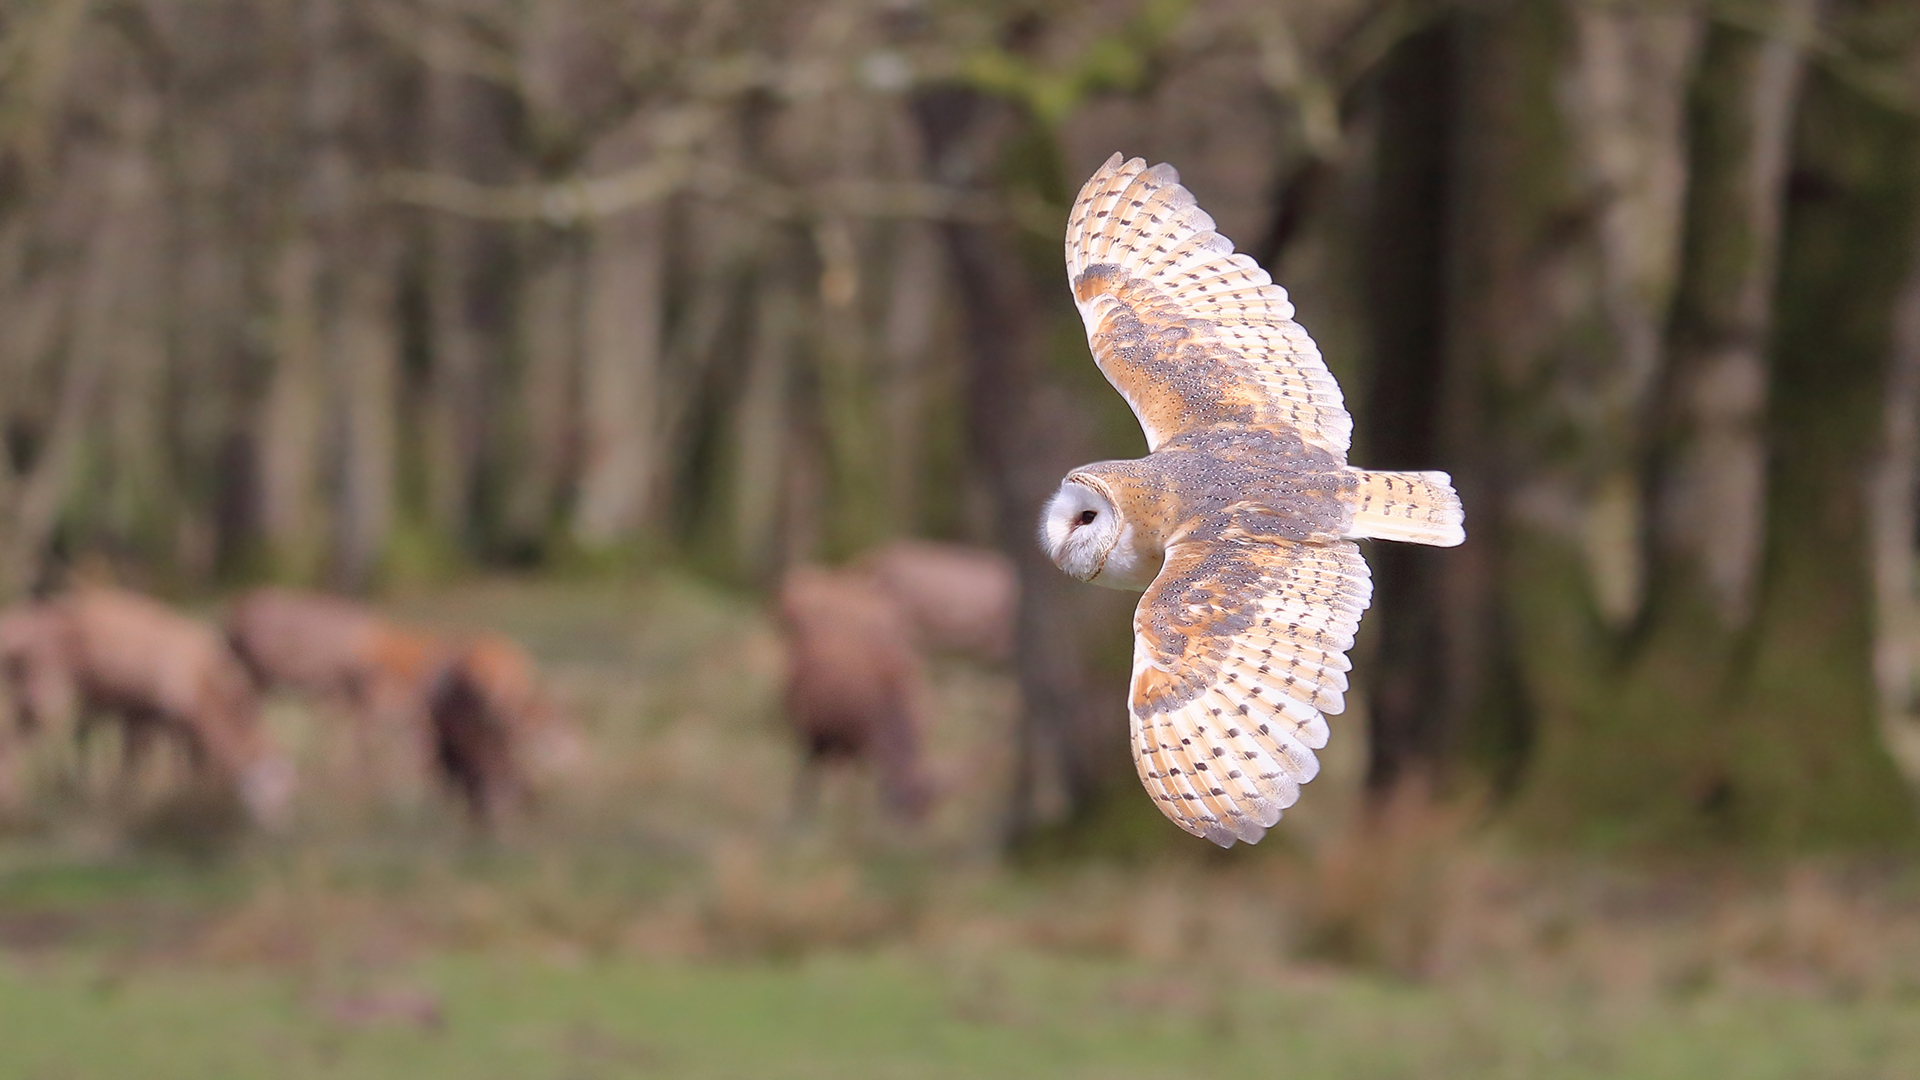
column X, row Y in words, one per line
column 493, row 725
column 854, row 686
column 336, row 650
column 958, row 598
column 33, row 673
column 100, row 653
column 473, row 706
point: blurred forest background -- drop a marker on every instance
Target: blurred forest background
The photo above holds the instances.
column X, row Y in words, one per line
column 389, row 295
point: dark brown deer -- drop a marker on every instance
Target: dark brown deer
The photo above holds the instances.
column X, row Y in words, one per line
column 854, row 687
column 492, row 721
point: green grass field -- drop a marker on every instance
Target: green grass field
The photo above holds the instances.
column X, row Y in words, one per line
column 662, row 916
column 886, row 1014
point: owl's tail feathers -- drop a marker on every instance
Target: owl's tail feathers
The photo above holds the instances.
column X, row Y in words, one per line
column 1418, row 507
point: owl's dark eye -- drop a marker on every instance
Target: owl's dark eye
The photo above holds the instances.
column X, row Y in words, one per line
column 1087, row 516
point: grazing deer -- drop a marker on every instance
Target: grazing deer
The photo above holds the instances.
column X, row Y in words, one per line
column 959, row 598
column 491, row 719
column 854, row 686
column 336, row 650
column 474, row 706
column 98, row 653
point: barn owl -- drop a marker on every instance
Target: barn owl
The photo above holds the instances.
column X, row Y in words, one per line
column 1239, row 523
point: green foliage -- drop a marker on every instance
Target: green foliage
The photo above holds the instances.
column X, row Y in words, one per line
column 1121, row 60
column 418, row 554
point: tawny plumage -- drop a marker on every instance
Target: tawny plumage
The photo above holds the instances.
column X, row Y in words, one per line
column 1239, row 524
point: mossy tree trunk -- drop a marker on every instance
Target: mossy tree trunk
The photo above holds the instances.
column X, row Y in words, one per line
column 1804, row 763
column 1406, row 299
column 1736, row 702
column 1894, row 508
column 1564, row 119
column 1518, row 223
column 1025, row 432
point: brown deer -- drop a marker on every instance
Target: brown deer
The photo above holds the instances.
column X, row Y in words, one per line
column 474, row 705
column 490, row 718
column 335, row 649
column 100, row 653
column 854, row 688
column 959, row 598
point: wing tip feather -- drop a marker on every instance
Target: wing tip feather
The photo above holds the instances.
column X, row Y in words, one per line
column 1249, row 721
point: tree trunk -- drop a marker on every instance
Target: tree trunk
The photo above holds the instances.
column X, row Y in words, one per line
column 622, row 468
column 36, row 311
column 465, row 298
column 1406, row 314
column 1568, row 155
column 621, row 384
column 1687, row 728
column 914, row 286
column 365, row 357
column 1805, row 765
column 110, row 291
column 1023, row 439
column 306, row 380
column 288, row 428
column 760, row 437
column 137, row 506
column 1709, row 510
column 539, row 461
column 850, row 403
column 1893, row 505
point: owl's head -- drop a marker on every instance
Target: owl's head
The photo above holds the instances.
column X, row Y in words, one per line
column 1079, row 529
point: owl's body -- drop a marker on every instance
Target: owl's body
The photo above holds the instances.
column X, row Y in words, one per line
column 1239, row 523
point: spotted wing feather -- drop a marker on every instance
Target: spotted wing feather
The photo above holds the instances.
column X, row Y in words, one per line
column 1190, row 333
column 1239, row 654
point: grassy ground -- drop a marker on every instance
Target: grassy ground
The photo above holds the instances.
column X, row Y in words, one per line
column 663, row 917
column 890, row 1014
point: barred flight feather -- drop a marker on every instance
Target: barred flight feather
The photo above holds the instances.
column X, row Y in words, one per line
column 1179, row 322
column 1418, row 507
column 1228, row 711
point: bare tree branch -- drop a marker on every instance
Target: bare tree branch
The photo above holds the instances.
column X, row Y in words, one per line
column 573, row 202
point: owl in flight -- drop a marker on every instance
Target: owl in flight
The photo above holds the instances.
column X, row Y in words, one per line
column 1239, row 523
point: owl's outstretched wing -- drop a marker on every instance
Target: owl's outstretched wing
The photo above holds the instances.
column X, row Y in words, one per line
column 1190, row 333
column 1239, row 651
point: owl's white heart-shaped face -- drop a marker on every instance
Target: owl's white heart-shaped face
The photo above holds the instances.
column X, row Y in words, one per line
column 1079, row 529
